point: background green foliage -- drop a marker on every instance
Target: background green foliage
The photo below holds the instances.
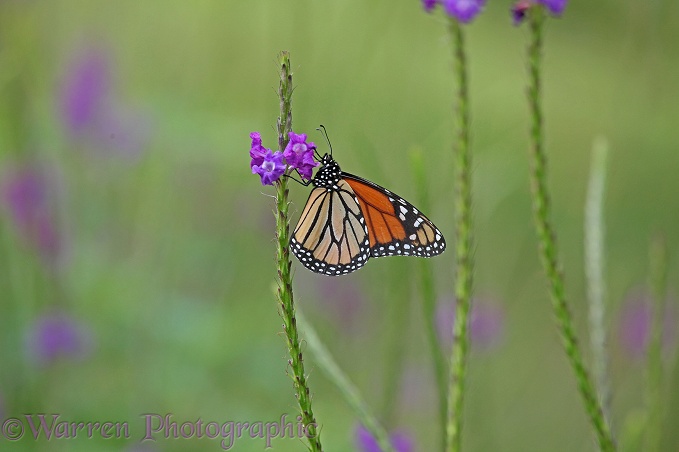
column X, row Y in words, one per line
column 170, row 256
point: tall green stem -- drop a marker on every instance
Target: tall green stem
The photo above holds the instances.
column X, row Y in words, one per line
column 285, row 296
column 463, row 251
column 547, row 238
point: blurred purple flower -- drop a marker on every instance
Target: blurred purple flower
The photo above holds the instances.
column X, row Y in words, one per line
column 57, row 335
column 271, row 169
column 299, row 154
column 519, row 11
column 555, row 7
column 27, row 194
column 365, row 442
column 85, row 90
column 636, row 317
column 521, row 7
column 429, row 5
column 89, row 109
column 486, row 322
column 463, row 10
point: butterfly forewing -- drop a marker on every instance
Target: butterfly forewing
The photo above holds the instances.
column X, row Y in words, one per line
column 395, row 227
column 331, row 236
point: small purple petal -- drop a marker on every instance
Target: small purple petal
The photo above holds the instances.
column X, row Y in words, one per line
column 401, row 441
column 296, row 138
column 299, row 154
column 365, row 442
column 271, row 169
column 556, row 7
column 306, row 170
column 57, row 335
column 256, row 139
column 257, row 151
column 429, row 5
column 463, row 10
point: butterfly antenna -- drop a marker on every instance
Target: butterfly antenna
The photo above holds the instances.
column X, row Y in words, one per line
column 325, row 134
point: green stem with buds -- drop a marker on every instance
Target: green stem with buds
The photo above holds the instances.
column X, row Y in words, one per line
column 547, row 237
column 285, row 296
column 463, row 251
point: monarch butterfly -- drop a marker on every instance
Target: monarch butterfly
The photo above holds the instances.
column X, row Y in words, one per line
column 348, row 219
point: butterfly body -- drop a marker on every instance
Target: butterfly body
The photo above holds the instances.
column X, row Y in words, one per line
column 348, row 219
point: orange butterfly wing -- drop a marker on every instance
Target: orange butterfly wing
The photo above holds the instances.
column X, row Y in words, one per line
column 395, row 227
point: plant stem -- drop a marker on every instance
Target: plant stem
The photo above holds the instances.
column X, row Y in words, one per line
column 594, row 271
column 654, row 368
column 463, row 252
column 547, row 238
column 428, row 291
column 285, row 296
column 348, row 390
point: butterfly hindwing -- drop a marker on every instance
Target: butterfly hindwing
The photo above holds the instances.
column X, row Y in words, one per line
column 395, row 227
column 331, row 236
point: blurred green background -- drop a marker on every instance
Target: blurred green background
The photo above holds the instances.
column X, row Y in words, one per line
column 132, row 227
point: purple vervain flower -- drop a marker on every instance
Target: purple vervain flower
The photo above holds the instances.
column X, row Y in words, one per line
column 85, row 90
column 91, row 112
column 429, row 5
column 486, row 322
column 521, row 7
column 365, row 442
column 519, row 10
column 271, row 169
column 555, row 7
column 56, row 335
column 299, row 154
column 27, row 194
column 463, row 10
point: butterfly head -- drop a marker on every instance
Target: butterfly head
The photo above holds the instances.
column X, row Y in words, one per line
column 327, row 160
column 328, row 174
